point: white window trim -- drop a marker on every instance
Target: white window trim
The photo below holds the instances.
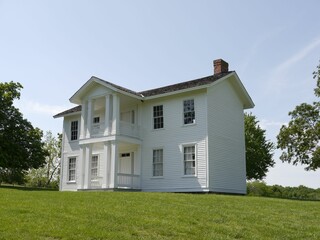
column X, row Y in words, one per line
column 195, row 115
column 98, row 165
column 94, row 117
column 196, row 159
column 158, row 177
column 152, row 117
column 68, row 170
column 78, row 130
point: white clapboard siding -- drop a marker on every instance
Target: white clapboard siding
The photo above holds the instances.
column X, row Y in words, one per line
column 171, row 139
column 70, row 149
column 226, row 140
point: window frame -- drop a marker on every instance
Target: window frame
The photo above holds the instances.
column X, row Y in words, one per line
column 157, row 119
column 157, row 163
column 72, row 176
column 188, row 112
column 96, row 176
column 194, row 160
column 96, row 120
column 74, row 130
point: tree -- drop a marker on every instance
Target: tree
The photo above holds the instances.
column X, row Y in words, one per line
column 259, row 151
column 300, row 140
column 47, row 176
column 20, row 143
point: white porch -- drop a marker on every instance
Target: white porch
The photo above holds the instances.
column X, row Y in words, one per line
column 109, row 115
column 109, row 165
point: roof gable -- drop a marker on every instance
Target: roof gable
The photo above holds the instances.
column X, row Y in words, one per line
column 76, row 98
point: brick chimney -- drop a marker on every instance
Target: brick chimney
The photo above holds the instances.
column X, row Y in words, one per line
column 220, row 66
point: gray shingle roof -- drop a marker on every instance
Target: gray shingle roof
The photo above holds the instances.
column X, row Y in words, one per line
column 157, row 91
column 119, row 87
column 183, row 85
column 69, row 111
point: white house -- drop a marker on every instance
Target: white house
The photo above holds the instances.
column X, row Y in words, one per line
column 186, row 137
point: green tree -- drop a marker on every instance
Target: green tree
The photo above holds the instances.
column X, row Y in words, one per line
column 259, row 151
column 20, row 143
column 48, row 175
column 300, row 140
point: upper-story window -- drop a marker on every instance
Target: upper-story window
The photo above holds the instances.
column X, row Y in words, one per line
column 189, row 115
column 96, row 120
column 158, row 117
column 74, row 130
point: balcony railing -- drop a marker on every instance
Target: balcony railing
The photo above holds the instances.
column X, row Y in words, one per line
column 96, row 182
column 125, row 128
column 97, row 129
column 130, row 181
column 129, row 129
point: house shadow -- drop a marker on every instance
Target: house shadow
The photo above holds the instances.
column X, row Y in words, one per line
column 25, row 188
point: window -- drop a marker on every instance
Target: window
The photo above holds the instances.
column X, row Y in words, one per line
column 188, row 111
column 96, row 119
column 158, row 162
column 94, row 167
column 189, row 158
column 74, row 130
column 158, row 117
column 72, row 169
column 125, row 154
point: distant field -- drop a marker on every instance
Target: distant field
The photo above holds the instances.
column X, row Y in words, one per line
column 133, row 215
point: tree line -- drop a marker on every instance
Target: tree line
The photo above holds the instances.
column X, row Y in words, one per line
column 260, row 188
column 28, row 156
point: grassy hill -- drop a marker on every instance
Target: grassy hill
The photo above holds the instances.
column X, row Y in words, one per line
column 133, row 215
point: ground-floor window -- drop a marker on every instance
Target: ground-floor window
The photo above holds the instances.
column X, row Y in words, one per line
column 94, row 167
column 157, row 162
column 72, row 169
column 189, row 158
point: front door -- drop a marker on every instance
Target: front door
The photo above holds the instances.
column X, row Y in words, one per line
column 125, row 163
column 125, row 170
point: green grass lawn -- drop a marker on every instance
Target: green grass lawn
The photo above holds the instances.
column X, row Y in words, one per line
column 135, row 215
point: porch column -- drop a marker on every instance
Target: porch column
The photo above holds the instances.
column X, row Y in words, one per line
column 89, row 117
column 81, row 168
column 106, row 169
column 115, row 114
column 82, row 121
column 87, row 168
column 114, row 165
column 107, row 116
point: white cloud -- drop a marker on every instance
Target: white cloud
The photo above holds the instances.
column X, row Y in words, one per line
column 278, row 78
column 298, row 56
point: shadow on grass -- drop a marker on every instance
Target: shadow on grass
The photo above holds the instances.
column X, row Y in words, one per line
column 24, row 188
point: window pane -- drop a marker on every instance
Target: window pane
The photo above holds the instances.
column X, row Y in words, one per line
column 158, row 162
column 96, row 119
column 188, row 111
column 189, row 160
column 72, row 169
column 158, row 117
column 74, row 130
column 94, row 167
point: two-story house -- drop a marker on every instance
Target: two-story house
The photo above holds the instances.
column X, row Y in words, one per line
column 186, row 137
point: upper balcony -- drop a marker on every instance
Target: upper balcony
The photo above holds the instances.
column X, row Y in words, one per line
column 109, row 115
column 126, row 129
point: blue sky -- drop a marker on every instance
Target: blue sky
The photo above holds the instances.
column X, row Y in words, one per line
column 53, row 47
